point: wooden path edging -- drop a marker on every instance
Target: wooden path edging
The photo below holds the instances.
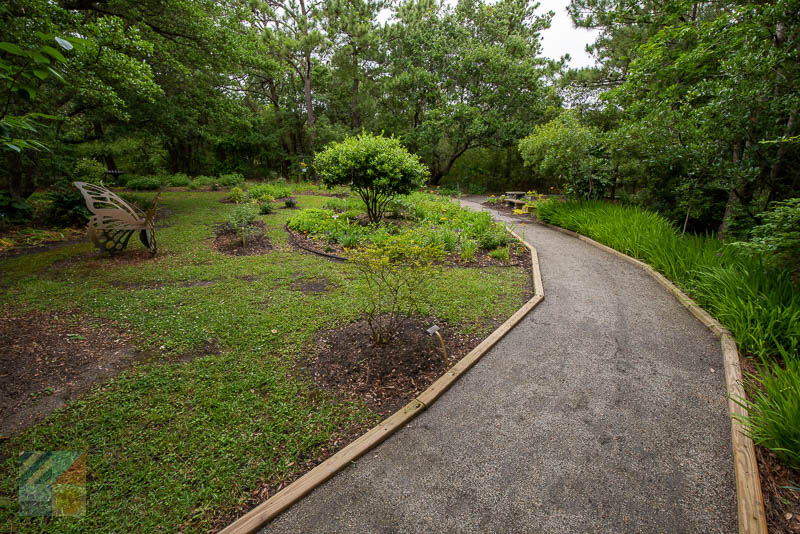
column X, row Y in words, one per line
column 750, row 500
column 272, row 507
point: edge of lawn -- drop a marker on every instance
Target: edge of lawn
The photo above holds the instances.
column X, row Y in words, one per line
column 272, row 507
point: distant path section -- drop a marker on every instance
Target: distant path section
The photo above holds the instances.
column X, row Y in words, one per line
column 603, row 411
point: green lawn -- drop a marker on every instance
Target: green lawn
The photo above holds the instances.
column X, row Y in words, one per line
column 178, row 445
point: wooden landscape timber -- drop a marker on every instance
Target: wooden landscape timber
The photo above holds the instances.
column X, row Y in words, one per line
column 750, row 500
column 272, row 507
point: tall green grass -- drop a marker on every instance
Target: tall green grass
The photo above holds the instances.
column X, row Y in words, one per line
column 759, row 304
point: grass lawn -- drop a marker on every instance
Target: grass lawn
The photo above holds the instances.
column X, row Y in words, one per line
column 177, row 442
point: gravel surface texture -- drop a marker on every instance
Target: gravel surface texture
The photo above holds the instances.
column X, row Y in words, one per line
column 604, row 410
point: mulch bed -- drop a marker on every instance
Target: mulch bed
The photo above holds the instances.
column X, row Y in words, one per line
column 782, row 505
column 385, row 376
column 228, row 242
column 49, row 358
column 520, row 256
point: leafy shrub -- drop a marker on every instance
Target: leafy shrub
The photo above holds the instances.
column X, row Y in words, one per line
column 144, row 183
column 66, row 206
column 500, row 254
column 236, row 195
column 492, row 200
column 449, row 191
column 290, row 202
column 313, row 221
column 396, row 274
column 377, row 168
column 468, row 249
column 492, row 238
column 177, row 180
column 274, row 190
column 241, row 218
column 89, row 170
column 778, row 236
column 230, row 180
column 265, row 207
column 477, row 189
column 449, row 240
column 13, row 210
column 338, row 205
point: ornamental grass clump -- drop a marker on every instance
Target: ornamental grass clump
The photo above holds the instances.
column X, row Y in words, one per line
column 397, row 274
column 377, row 168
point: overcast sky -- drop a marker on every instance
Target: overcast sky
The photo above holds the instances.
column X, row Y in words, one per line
column 564, row 38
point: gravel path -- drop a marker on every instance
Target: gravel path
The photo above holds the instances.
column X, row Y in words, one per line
column 603, row 411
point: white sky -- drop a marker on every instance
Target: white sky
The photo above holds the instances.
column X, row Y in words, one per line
column 564, row 38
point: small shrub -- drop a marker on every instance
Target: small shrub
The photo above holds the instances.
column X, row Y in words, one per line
column 468, row 249
column 449, row 191
column 236, row 195
column 377, row 168
column 396, row 274
column 13, row 210
column 338, row 205
column 230, row 180
column 493, row 238
column 778, row 235
column 275, row 190
column 177, row 180
column 66, row 206
column 290, row 202
column 492, row 199
column 242, row 218
column 89, row 170
column 313, row 221
column 476, row 189
column 265, row 207
column 144, row 183
column 450, row 240
column 500, row 254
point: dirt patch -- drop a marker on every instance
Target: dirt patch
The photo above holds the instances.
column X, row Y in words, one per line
column 248, row 277
column 313, row 286
column 50, row 358
column 209, row 348
column 228, row 242
column 385, row 376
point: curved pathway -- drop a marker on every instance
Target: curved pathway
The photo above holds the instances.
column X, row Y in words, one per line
column 604, row 410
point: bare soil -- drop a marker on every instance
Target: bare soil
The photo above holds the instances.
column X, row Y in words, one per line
column 385, row 376
column 228, row 242
column 50, row 358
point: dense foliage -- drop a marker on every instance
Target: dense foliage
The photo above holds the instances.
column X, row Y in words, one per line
column 377, row 168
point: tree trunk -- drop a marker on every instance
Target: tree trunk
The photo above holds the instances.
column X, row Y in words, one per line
column 20, row 186
column 733, row 198
column 355, row 111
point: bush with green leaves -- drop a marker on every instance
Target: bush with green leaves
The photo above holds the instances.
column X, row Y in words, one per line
column 377, row 168
column 273, row 189
column 242, row 218
column 396, row 274
column 89, row 170
column 777, row 238
column 177, row 180
column 468, row 249
column 237, row 195
column 265, row 207
column 313, row 221
column 12, row 211
column 290, row 202
column 66, row 206
column 144, row 183
column 501, row 254
column 230, row 180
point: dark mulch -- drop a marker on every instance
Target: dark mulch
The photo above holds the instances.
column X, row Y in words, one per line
column 49, row 358
column 228, row 242
column 385, row 376
column 520, row 256
column 781, row 505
